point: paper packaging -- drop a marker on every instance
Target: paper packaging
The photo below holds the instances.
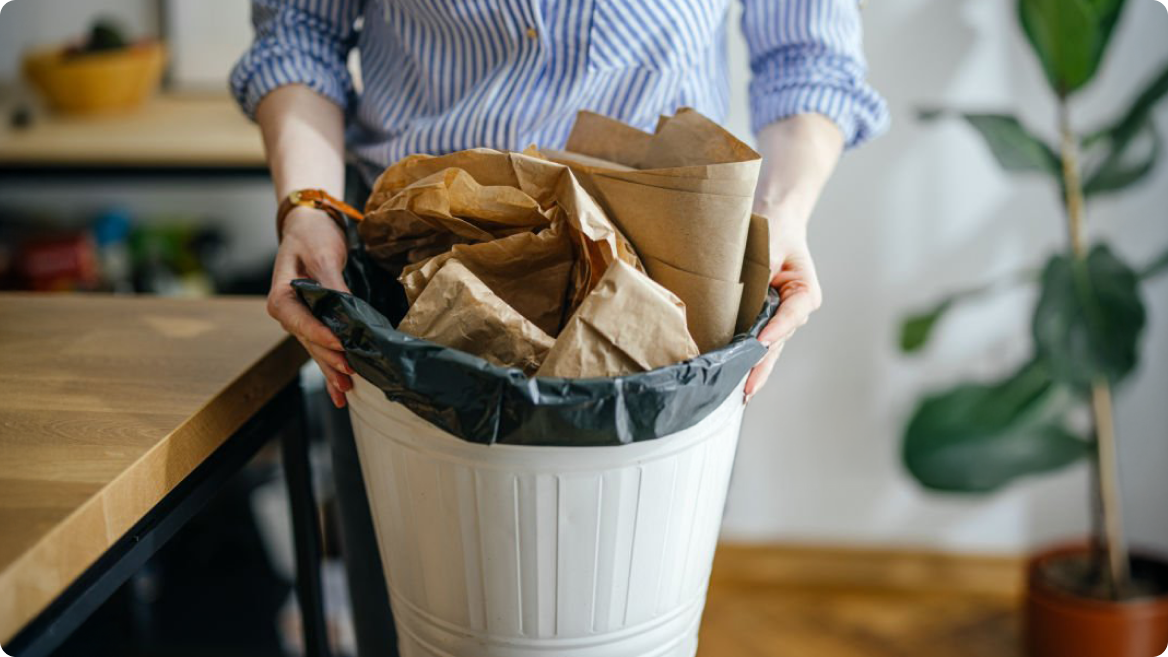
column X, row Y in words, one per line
column 628, row 324
column 523, row 247
column 424, row 205
column 756, row 272
column 457, row 310
column 529, row 272
column 682, row 195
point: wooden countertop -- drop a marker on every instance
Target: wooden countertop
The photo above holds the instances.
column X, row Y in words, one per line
column 106, row 403
column 170, row 130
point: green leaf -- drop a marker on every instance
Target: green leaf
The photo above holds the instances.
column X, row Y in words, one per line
column 1132, row 123
column 1069, row 37
column 105, row 34
column 1156, row 266
column 1125, row 164
column 1118, row 166
column 1012, row 145
column 916, row 329
column 1089, row 318
column 980, row 437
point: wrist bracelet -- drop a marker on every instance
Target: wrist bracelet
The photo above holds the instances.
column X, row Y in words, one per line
column 317, row 199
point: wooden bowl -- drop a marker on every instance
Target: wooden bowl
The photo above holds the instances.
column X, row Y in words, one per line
column 105, row 81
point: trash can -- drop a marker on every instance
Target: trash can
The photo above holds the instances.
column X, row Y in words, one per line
column 521, row 551
column 521, row 516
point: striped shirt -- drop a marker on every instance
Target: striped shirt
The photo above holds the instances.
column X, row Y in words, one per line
column 445, row 75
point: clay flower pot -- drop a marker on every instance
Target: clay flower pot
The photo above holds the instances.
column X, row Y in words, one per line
column 1061, row 623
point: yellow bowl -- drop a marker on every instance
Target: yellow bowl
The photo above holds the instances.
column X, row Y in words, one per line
column 97, row 82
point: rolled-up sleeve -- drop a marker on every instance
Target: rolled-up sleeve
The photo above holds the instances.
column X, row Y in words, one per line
column 807, row 57
column 297, row 42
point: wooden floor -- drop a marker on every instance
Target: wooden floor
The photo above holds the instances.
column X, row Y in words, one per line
column 792, row 602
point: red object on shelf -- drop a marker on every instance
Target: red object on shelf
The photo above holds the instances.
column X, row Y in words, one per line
column 60, row 263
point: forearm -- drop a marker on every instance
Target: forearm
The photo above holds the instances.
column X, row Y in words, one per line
column 304, row 140
column 799, row 154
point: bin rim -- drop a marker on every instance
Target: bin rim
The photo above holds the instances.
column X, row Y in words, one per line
column 478, row 401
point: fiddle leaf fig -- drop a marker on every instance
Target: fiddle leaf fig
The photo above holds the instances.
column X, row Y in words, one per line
column 1125, row 165
column 1089, row 318
column 1069, row 37
column 1012, row 145
column 1134, row 120
column 916, row 329
column 1156, row 266
column 980, row 437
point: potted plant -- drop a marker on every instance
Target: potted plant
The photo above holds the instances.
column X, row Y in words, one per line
column 1098, row 598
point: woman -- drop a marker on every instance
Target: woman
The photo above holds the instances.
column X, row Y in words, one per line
column 445, row 75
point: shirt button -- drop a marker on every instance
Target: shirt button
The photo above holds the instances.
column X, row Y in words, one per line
column 532, row 34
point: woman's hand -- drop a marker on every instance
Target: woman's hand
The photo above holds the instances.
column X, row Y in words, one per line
column 313, row 247
column 793, row 275
column 798, row 155
column 304, row 138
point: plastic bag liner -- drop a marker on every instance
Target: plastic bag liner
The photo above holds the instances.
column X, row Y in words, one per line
column 483, row 403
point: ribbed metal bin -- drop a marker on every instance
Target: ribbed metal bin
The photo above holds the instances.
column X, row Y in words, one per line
column 519, row 551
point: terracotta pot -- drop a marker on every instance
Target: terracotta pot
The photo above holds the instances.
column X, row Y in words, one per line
column 1062, row 624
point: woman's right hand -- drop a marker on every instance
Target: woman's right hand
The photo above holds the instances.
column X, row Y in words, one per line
column 313, row 247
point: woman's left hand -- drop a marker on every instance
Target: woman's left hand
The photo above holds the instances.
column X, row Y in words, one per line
column 793, row 275
column 798, row 155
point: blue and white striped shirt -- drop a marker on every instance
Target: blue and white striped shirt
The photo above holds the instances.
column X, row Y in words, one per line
column 445, row 75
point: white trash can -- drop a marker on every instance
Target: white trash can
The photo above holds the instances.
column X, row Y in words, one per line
column 522, row 551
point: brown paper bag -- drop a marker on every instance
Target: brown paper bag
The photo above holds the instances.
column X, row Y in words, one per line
column 628, row 324
column 423, row 205
column 683, row 195
column 530, row 272
column 756, row 272
column 722, row 299
column 457, row 310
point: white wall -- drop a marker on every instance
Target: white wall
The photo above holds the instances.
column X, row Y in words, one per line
column 27, row 24
column 918, row 212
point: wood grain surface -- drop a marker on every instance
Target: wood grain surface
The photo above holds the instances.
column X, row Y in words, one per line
column 782, row 601
column 106, row 403
column 169, row 130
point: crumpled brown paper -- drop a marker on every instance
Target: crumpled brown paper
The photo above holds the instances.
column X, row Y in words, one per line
column 495, row 250
column 499, row 251
column 424, row 205
column 628, row 324
column 683, row 196
column 458, row 310
column 530, row 272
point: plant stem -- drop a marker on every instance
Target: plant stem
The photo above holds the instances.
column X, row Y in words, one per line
column 1101, row 411
column 1117, row 551
column 1072, row 185
column 1098, row 547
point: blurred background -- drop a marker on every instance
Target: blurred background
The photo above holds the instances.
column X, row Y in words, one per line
column 172, row 197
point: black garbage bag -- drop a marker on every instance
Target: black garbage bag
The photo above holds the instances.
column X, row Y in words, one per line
column 483, row 403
